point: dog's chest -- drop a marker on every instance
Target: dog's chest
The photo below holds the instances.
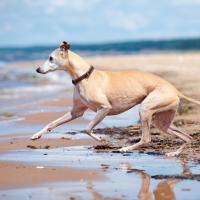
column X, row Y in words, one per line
column 86, row 98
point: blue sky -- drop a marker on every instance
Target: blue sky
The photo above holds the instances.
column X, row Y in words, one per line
column 34, row 22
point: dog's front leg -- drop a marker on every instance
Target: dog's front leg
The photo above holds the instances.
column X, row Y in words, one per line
column 101, row 113
column 64, row 119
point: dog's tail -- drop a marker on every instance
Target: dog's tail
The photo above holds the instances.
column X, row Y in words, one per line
column 188, row 98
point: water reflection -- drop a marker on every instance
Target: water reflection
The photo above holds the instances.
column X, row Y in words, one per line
column 164, row 190
column 145, row 193
column 96, row 195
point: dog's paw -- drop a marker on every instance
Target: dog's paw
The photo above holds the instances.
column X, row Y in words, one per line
column 172, row 154
column 124, row 149
column 96, row 137
column 36, row 136
column 103, row 141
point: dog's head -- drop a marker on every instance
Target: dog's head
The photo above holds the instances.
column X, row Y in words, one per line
column 58, row 60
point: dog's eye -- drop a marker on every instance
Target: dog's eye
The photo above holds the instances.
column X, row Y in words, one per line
column 50, row 58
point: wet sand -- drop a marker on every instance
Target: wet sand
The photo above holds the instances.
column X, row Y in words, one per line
column 16, row 144
column 160, row 145
column 16, row 175
column 181, row 69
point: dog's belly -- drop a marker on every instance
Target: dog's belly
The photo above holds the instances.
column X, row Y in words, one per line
column 119, row 105
column 123, row 104
column 120, row 101
column 117, row 109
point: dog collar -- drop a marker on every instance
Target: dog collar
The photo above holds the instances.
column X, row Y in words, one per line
column 84, row 76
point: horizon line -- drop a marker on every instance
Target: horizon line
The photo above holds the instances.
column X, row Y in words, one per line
column 105, row 43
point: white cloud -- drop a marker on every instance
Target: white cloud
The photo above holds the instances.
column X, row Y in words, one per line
column 186, row 2
column 124, row 21
column 47, row 21
column 52, row 6
column 7, row 28
column 35, row 3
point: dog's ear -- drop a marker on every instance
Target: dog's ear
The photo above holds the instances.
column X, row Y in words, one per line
column 64, row 46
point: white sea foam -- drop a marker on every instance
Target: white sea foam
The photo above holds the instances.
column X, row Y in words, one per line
column 15, row 72
column 2, row 63
column 60, row 77
column 12, row 120
column 41, row 88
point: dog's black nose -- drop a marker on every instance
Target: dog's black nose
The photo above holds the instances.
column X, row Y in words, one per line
column 38, row 70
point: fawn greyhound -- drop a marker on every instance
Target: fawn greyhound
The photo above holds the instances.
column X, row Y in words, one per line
column 111, row 93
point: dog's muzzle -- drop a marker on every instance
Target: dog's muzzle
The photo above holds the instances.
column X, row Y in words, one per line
column 38, row 70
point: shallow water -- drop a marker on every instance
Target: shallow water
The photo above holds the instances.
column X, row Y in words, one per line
column 128, row 175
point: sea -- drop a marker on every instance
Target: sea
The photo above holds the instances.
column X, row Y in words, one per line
column 10, row 54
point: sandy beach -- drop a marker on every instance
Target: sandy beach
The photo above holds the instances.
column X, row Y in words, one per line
column 68, row 157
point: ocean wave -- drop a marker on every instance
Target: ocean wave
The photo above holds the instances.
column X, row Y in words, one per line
column 26, row 89
column 13, row 77
column 2, row 64
column 12, row 120
column 60, row 77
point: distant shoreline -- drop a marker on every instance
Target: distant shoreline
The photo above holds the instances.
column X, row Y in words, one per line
column 9, row 54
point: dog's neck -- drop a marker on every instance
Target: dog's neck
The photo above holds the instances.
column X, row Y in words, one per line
column 76, row 66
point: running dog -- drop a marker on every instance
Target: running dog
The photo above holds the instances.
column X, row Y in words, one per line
column 111, row 93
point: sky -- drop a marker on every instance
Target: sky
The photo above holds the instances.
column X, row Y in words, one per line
column 48, row 22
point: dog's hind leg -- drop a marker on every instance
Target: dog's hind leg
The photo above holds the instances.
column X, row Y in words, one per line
column 145, row 126
column 178, row 132
column 185, row 137
column 157, row 101
column 163, row 121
